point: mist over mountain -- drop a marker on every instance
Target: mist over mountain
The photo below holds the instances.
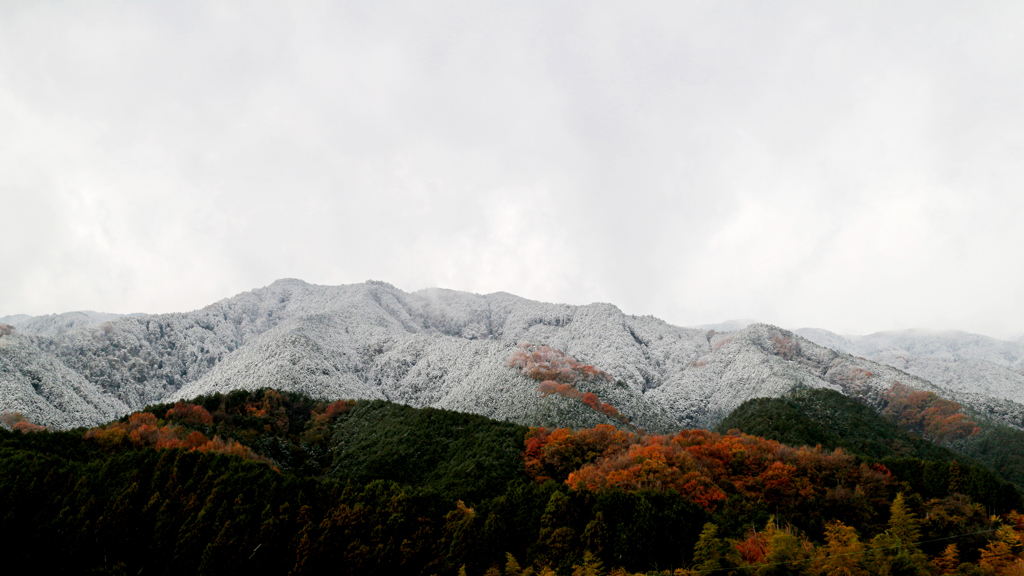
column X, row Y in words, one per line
column 449, row 349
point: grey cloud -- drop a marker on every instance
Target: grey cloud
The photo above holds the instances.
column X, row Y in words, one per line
column 854, row 166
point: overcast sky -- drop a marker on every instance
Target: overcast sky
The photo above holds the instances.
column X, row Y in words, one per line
column 851, row 166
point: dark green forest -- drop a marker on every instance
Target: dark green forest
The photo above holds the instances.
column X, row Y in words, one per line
column 270, row 482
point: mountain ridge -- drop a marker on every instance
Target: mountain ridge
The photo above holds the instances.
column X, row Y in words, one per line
column 435, row 347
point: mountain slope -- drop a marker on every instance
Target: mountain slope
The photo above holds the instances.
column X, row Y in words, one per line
column 811, row 417
column 449, row 349
column 45, row 391
column 765, row 361
column 982, row 373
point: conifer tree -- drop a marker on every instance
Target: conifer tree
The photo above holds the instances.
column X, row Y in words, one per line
column 842, row 554
column 556, row 537
column 595, row 535
column 512, row 567
column 903, row 524
column 895, row 551
column 592, row 566
column 709, row 550
column 957, row 482
column 948, row 561
column 784, row 551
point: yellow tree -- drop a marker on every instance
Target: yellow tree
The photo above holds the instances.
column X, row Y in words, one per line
column 512, row 567
column 1000, row 556
column 592, row 566
column 842, row 554
column 709, row 551
column 948, row 561
column 895, row 551
column 784, row 554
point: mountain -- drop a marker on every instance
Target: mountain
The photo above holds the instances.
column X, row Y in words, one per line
column 432, row 348
column 980, row 372
column 53, row 325
column 14, row 319
column 40, row 386
column 811, row 417
column 823, row 417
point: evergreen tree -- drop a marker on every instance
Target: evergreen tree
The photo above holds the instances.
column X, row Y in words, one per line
column 903, row 524
column 557, row 539
column 709, row 552
column 957, row 479
column 512, row 567
column 895, row 552
column 842, row 554
column 592, row 566
column 783, row 554
column 595, row 535
column 948, row 561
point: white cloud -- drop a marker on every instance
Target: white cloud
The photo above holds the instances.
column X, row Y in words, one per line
column 845, row 165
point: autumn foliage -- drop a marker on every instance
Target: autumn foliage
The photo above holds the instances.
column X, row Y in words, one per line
column 545, row 363
column 785, row 347
column 142, row 429
column 319, row 426
column 703, row 467
column 189, row 414
column 927, row 415
column 589, row 398
column 428, row 491
column 558, row 372
column 718, row 345
column 19, row 423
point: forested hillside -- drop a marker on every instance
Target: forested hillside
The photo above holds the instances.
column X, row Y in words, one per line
column 277, row 483
column 811, row 417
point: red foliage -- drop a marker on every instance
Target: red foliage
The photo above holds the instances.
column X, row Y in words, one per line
column 703, row 467
column 336, row 408
column 25, row 427
column 753, row 549
column 545, row 363
column 926, row 414
column 229, row 447
column 271, row 408
column 557, row 453
column 548, row 387
column 194, row 440
column 189, row 414
column 721, row 343
column 18, row 422
column 855, row 375
column 557, row 372
column 143, row 430
column 785, row 346
column 318, row 427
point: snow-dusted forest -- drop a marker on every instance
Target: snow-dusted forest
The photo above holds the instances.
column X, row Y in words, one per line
column 448, row 349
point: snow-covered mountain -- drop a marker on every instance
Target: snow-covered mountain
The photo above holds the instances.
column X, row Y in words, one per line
column 40, row 386
column 53, row 325
column 971, row 368
column 433, row 347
